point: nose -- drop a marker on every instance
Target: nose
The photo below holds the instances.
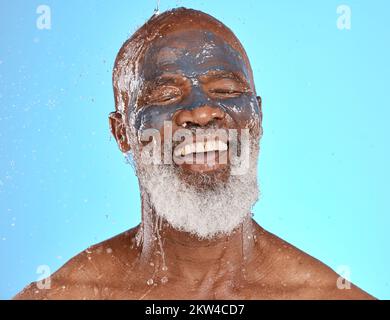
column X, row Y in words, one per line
column 200, row 116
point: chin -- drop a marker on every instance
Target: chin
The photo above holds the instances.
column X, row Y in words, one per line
column 203, row 177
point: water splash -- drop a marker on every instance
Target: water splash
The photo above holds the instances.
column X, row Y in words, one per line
column 157, row 229
column 157, row 9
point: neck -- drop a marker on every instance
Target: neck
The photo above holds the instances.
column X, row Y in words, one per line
column 174, row 254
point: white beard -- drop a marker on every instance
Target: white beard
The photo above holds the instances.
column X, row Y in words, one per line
column 204, row 213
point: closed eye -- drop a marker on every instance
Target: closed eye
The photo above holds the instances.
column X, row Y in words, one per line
column 164, row 95
column 225, row 88
column 226, row 92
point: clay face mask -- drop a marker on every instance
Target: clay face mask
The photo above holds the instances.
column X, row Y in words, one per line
column 189, row 69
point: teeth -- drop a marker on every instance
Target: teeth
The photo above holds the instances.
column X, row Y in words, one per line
column 222, row 146
column 210, row 146
column 189, row 148
column 200, row 147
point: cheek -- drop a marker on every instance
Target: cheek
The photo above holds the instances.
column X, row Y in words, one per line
column 153, row 117
column 243, row 110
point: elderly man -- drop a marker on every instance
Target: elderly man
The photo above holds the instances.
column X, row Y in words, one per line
column 188, row 117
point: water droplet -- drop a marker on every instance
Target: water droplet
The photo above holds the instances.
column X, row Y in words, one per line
column 149, row 282
column 157, row 9
column 164, row 280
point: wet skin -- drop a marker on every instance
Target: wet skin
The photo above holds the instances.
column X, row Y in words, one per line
column 196, row 80
column 250, row 263
column 115, row 269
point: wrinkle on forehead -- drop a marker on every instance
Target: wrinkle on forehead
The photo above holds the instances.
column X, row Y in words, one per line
column 187, row 50
column 168, row 55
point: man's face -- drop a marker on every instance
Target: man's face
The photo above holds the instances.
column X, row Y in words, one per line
column 196, row 80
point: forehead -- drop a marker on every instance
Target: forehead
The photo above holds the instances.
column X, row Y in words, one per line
column 191, row 52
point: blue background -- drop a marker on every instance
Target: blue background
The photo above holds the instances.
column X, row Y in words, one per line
column 323, row 169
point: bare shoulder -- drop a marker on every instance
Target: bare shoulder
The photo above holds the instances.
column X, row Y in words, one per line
column 293, row 274
column 88, row 275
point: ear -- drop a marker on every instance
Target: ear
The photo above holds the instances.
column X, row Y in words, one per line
column 118, row 130
column 260, row 108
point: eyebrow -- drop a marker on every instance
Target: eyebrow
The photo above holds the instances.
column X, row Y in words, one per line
column 211, row 75
column 220, row 74
column 170, row 78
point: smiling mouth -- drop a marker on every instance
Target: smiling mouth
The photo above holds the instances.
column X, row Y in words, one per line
column 202, row 156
